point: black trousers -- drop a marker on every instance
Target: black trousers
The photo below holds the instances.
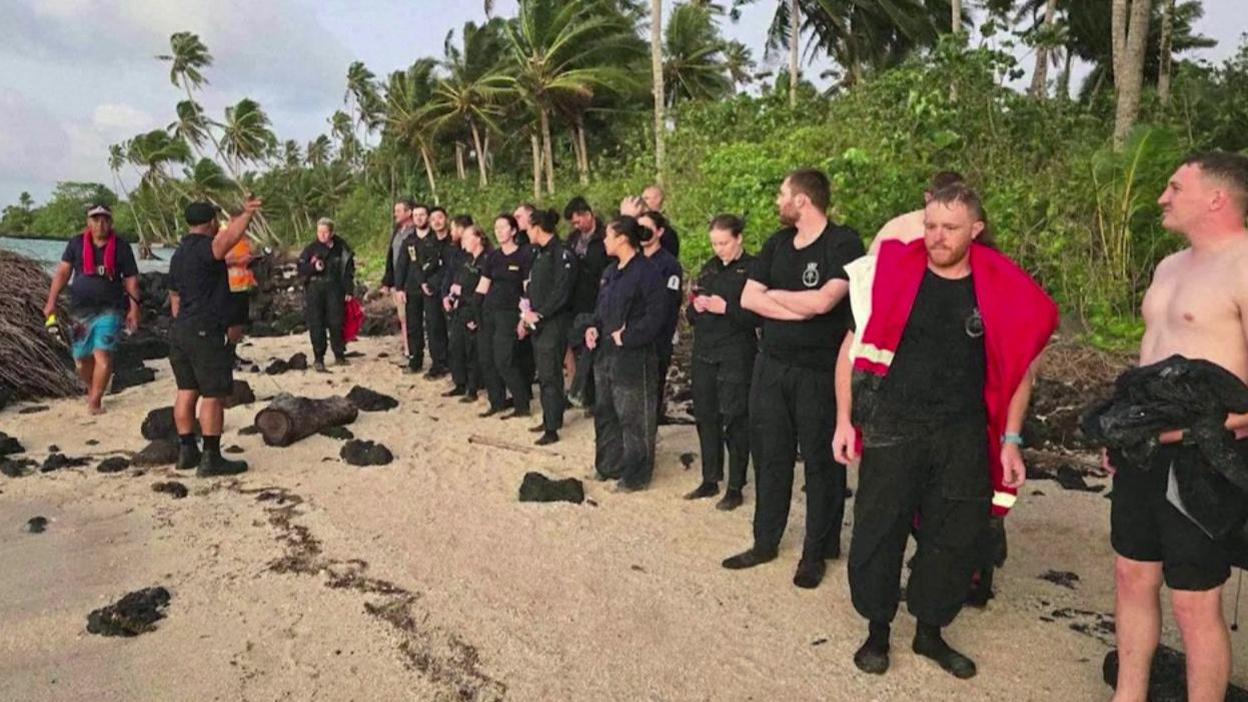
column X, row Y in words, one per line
column 435, row 329
column 943, row 479
column 550, row 342
column 625, row 422
column 497, row 350
column 414, row 314
column 791, row 406
column 664, row 354
column 462, row 352
column 326, row 309
column 721, row 402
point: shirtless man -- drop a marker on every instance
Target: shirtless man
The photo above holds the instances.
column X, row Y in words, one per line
column 909, row 226
column 1197, row 307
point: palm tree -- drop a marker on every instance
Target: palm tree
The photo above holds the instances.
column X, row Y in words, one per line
column 318, row 151
column 343, row 129
column 192, row 126
column 739, row 62
column 473, row 87
column 362, row 90
column 246, row 136
column 117, row 159
column 407, row 93
column 694, row 66
column 1039, row 78
column 188, row 58
column 155, row 151
column 568, row 50
column 1130, row 34
column 1164, row 55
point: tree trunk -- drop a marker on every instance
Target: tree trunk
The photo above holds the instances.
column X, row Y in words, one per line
column 1165, row 53
column 795, row 34
column 459, row 161
column 580, row 136
column 656, row 72
column 548, row 159
column 476, row 143
column 433, row 186
column 955, row 17
column 1040, row 78
column 1063, row 80
column 288, row 418
column 1130, row 36
column 537, row 165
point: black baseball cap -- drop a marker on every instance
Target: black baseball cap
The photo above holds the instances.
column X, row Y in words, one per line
column 99, row 209
column 198, row 213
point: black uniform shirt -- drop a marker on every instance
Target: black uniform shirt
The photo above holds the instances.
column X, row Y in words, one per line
column 339, row 265
column 507, row 273
column 736, row 329
column 592, row 260
column 467, row 275
column 407, row 274
column 453, row 258
column 671, row 241
column 430, row 252
column 939, row 370
column 202, row 282
column 812, row 343
column 670, row 276
column 631, row 298
column 551, row 279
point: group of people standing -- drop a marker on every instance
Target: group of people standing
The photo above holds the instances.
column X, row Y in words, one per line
column 914, row 362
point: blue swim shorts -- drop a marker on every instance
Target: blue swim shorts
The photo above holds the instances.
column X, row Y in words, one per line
column 99, row 332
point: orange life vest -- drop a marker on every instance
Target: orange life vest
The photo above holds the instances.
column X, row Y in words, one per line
column 241, row 277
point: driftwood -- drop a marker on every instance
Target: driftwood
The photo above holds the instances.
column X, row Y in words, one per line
column 288, row 418
column 508, row 446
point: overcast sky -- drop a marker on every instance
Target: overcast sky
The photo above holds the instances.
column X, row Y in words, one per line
column 78, row 75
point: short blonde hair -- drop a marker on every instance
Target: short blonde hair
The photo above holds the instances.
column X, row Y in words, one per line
column 325, row 222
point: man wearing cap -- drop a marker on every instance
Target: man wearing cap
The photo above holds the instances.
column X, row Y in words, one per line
column 203, row 366
column 103, row 283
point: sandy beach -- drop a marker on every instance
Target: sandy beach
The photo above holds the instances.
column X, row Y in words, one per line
column 310, row 579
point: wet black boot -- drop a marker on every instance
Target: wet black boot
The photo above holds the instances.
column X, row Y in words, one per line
column 213, row 465
column 872, row 656
column 188, row 453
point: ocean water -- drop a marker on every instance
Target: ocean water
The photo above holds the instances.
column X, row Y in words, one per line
column 48, row 252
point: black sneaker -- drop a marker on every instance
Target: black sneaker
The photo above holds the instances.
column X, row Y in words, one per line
column 537, row 429
column 547, row 438
column 213, row 465
column 517, row 413
column 809, row 573
column 188, row 457
column 319, row 367
column 341, row 361
column 454, row 392
column 437, row 372
column 468, row 397
column 749, row 559
column 490, row 412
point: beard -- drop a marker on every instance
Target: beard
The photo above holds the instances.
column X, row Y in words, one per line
column 945, row 257
column 788, row 217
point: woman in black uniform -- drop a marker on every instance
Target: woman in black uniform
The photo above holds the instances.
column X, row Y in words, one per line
column 725, row 341
column 327, row 266
column 628, row 319
column 463, row 308
column 502, row 283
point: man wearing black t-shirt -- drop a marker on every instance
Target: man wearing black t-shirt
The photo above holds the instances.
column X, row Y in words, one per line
column 202, row 363
column 103, row 283
column 799, row 288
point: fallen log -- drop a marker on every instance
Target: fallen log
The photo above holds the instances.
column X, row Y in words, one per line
column 288, row 418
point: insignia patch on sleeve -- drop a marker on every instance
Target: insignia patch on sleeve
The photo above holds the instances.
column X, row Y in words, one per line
column 673, row 283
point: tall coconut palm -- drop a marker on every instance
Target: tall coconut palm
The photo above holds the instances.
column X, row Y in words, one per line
column 188, row 58
column 362, row 91
column 739, row 62
column 319, row 151
column 192, row 125
column 564, row 49
column 343, row 129
column 407, row 93
column 693, row 66
column 1164, row 53
column 246, row 135
column 1039, row 77
column 154, row 152
column 473, row 88
column 117, row 159
column 1130, row 36
column 658, row 77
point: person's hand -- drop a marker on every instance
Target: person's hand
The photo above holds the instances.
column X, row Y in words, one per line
column 446, row 303
column 1109, row 467
column 529, row 317
column 385, row 290
column 347, row 297
column 699, row 303
column 428, row 291
column 401, row 296
column 618, row 335
column 457, row 290
column 1014, row 472
column 521, row 330
column 844, row 440
column 252, row 205
column 49, row 309
column 591, row 338
column 472, row 326
column 715, row 305
column 132, row 320
column 1171, row 437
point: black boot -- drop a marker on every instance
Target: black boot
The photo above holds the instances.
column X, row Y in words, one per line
column 213, row 465
column 188, row 456
column 872, row 656
column 731, row 500
column 810, row 572
column 749, row 559
column 547, row 438
column 929, row 644
column 454, row 392
column 706, row 489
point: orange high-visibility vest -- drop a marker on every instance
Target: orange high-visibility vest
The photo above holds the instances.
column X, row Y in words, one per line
column 241, row 277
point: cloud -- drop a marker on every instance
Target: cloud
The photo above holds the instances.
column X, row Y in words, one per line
column 113, row 116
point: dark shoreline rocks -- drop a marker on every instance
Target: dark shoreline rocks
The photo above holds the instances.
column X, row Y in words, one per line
column 134, row 614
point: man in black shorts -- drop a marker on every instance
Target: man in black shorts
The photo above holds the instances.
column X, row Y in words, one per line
column 1196, row 307
column 199, row 354
column 799, row 287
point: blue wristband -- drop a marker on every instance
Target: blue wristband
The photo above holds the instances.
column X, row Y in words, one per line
column 1015, row 439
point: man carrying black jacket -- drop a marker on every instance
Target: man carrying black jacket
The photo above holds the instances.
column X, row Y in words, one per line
column 548, row 316
column 800, row 289
column 587, row 242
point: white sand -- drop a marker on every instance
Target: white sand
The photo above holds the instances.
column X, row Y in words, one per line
column 475, row 595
